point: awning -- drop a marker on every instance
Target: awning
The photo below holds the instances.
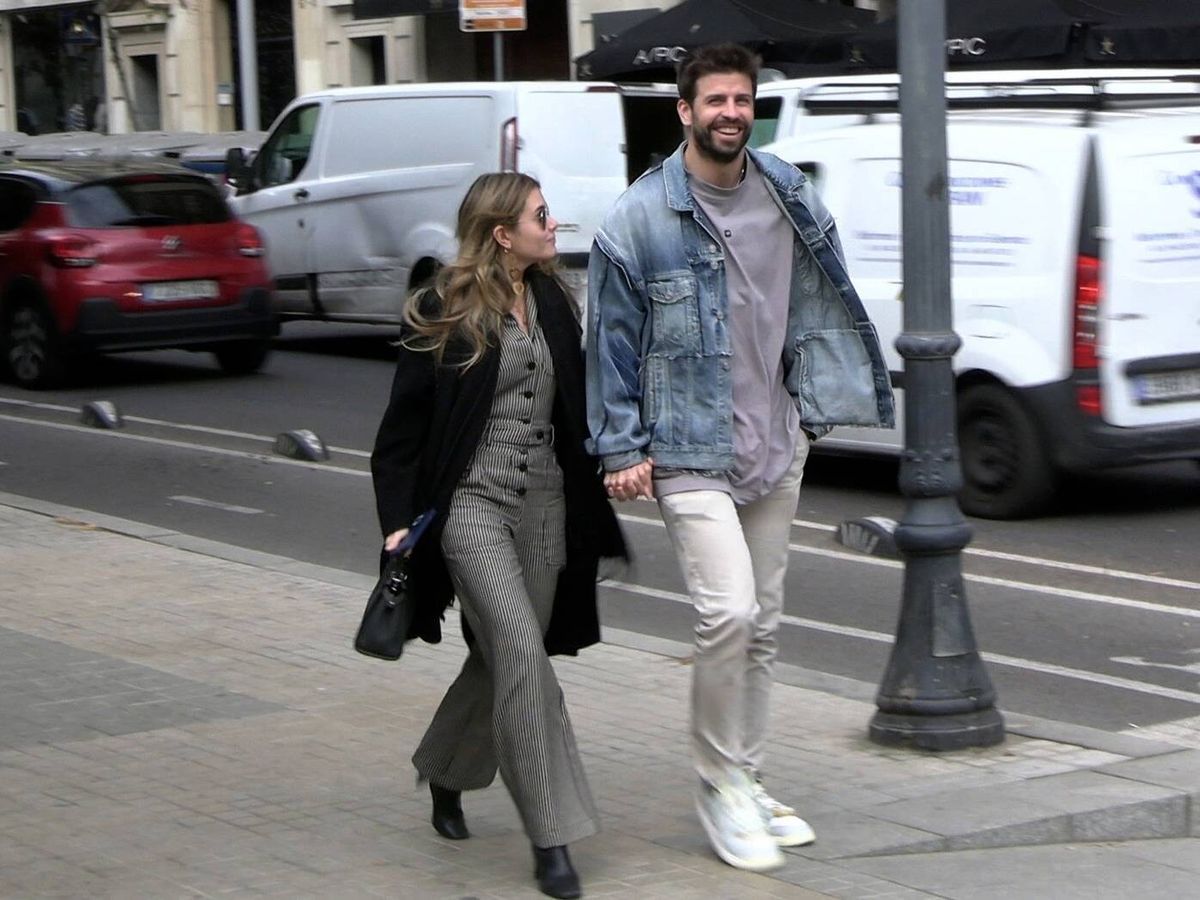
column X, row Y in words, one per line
column 791, row 30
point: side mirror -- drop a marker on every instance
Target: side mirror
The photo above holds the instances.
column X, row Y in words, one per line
column 237, row 170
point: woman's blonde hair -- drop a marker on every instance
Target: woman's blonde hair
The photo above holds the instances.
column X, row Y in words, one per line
column 476, row 289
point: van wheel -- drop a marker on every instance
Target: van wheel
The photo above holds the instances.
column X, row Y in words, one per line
column 31, row 346
column 1006, row 471
column 243, row 357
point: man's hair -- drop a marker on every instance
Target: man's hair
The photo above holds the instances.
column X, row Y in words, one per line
column 716, row 59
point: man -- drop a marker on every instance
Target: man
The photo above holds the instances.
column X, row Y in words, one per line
column 723, row 336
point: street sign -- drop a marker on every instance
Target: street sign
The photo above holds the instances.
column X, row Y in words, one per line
column 491, row 15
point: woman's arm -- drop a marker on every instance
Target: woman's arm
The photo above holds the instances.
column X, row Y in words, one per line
column 396, row 459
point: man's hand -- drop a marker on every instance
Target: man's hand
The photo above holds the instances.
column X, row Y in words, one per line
column 631, row 483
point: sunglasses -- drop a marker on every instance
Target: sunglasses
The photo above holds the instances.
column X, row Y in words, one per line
column 542, row 216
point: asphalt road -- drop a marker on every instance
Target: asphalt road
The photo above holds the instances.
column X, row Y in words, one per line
column 1090, row 615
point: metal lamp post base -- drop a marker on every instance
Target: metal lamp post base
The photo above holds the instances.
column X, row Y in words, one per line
column 982, row 728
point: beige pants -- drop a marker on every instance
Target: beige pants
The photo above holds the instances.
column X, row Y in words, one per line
column 734, row 559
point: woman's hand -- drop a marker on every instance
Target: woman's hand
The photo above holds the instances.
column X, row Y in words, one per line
column 392, row 541
column 629, row 484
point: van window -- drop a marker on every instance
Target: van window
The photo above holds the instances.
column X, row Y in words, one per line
column 286, row 151
column 379, row 133
column 766, row 120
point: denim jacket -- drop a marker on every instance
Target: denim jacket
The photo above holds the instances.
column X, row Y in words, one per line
column 658, row 346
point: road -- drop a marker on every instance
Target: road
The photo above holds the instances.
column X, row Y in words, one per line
column 1090, row 615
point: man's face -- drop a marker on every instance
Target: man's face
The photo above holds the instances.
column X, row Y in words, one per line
column 721, row 116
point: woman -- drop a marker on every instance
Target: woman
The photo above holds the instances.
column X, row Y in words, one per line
column 485, row 426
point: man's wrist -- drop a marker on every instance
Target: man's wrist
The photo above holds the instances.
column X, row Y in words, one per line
column 615, row 462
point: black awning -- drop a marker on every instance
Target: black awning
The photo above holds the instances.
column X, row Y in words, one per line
column 1146, row 31
column 981, row 33
column 651, row 49
column 385, row 9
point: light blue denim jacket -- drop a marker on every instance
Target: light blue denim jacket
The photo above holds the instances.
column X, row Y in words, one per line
column 658, row 346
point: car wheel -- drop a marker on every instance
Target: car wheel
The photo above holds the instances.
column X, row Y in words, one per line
column 1007, row 473
column 243, row 357
column 31, row 346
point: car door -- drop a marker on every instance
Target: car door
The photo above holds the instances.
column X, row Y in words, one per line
column 17, row 200
column 277, row 204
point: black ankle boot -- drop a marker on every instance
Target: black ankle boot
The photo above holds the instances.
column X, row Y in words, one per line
column 447, row 813
column 556, row 876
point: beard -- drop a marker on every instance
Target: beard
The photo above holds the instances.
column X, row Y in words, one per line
column 706, row 143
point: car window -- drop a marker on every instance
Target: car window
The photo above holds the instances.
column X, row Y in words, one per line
column 285, row 153
column 17, row 199
column 766, row 120
column 145, row 200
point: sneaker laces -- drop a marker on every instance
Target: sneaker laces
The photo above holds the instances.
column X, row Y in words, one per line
column 765, row 801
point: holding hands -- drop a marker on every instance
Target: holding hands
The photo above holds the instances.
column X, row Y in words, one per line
column 631, row 483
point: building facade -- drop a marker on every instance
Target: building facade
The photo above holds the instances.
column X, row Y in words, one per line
column 147, row 65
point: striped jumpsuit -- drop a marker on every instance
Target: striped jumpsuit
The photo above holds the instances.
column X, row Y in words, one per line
column 505, row 543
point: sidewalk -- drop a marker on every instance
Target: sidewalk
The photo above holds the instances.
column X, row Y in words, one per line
column 180, row 718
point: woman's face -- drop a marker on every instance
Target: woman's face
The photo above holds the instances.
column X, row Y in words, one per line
column 532, row 238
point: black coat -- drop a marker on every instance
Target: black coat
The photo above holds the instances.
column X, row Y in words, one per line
column 428, row 435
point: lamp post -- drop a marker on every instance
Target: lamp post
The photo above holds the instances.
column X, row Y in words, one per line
column 935, row 694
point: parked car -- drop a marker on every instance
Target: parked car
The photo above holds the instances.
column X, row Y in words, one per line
column 357, row 189
column 1075, row 272
column 103, row 256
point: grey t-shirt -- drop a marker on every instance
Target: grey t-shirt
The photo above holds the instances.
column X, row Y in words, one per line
column 757, row 240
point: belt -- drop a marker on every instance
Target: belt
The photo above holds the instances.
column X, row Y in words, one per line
column 521, row 434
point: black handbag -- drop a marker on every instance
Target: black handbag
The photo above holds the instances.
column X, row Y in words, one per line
column 389, row 613
column 390, row 608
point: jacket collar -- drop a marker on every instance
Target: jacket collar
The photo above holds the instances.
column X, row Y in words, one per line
column 780, row 175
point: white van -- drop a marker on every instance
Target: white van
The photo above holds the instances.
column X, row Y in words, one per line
column 357, row 189
column 1075, row 243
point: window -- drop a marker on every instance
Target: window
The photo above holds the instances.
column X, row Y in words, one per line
column 145, row 200
column 766, row 120
column 285, row 153
column 17, row 200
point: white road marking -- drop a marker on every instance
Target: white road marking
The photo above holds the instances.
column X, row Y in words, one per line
column 996, row 658
column 1050, row 590
column 184, row 445
column 1190, row 668
column 213, row 504
column 199, row 429
column 1043, row 562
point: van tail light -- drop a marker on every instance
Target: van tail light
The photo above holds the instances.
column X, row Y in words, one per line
column 72, row 251
column 1086, row 332
column 510, row 141
column 249, row 240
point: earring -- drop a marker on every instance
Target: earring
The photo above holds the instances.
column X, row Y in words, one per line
column 514, row 275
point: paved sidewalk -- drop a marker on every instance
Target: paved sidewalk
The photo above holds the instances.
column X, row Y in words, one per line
column 180, row 718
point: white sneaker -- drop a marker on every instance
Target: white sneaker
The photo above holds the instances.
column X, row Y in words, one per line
column 734, row 827
column 780, row 820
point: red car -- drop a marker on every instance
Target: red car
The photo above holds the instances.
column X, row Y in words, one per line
column 101, row 256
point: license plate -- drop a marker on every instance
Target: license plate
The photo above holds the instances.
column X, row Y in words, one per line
column 167, row 291
column 1166, row 387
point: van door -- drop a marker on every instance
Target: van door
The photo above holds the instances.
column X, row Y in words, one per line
column 281, row 178
column 1149, row 324
column 391, row 185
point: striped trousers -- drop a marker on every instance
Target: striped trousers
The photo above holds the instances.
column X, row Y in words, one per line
column 504, row 545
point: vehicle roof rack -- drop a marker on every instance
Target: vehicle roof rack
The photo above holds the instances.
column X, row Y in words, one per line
column 1099, row 93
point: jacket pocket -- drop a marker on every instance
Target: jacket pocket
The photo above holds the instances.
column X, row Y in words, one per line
column 833, row 379
column 675, row 315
